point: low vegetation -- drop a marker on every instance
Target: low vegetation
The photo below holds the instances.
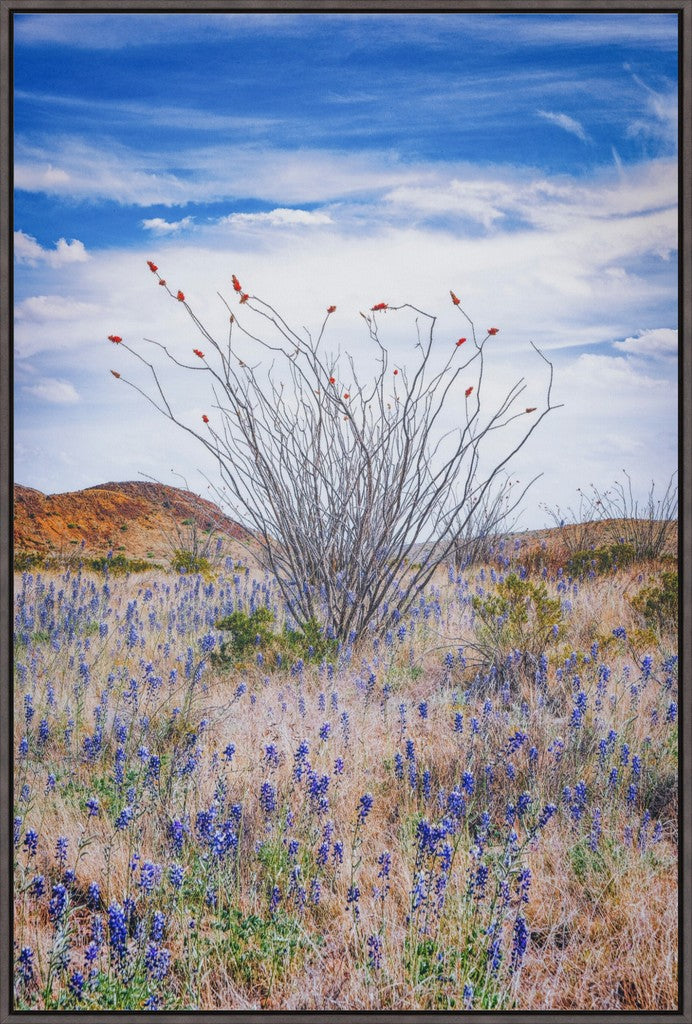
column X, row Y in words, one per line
column 218, row 809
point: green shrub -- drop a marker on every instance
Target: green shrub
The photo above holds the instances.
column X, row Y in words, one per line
column 25, row 560
column 601, row 560
column 517, row 615
column 244, row 630
column 119, row 564
column 659, row 604
column 186, row 561
column 255, row 632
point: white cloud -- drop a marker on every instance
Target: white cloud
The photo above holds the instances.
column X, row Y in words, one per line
column 28, row 250
column 51, row 389
column 281, row 217
column 577, row 267
column 661, row 342
column 564, row 121
column 159, row 226
column 43, row 309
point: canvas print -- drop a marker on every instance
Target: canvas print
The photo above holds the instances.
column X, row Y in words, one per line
column 345, row 510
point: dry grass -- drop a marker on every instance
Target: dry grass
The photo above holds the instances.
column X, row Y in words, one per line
column 601, row 923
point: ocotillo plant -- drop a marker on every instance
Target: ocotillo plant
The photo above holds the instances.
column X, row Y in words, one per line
column 344, row 477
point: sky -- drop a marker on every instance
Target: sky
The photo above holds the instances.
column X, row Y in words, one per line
column 526, row 161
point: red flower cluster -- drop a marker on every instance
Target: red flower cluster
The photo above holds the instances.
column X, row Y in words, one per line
column 162, row 282
column 396, row 372
column 115, row 373
column 380, row 305
column 332, row 380
column 198, row 353
column 205, row 418
column 236, row 284
column 455, row 300
column 244, row 297
column 346, row 394
column 468, row 391
column 115, row 338
column 180, row 297
column 331, row 309
column 460, row 342
column 493, row 330
column 152, row 266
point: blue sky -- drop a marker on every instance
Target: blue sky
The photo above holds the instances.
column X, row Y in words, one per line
column 527, row 161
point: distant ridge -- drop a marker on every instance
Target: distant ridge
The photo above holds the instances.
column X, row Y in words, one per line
column 140, row 519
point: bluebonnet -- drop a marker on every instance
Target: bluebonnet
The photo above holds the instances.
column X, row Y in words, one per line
column 157, row 961
column 26, row 964
column 31, row 841
column 61, row 849
column 375, row 952
column 124, row 818
column 38, row 886
column 76, row 984
column 268, row 798
column 519, row 942
column 58, row 903
column 175, row 875
column 364, row 807
column 117, row 930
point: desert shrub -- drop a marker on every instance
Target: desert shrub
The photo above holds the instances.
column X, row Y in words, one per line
column 119, row 564
column 601, row 560
column 658, row 605
column 189, row 562
column 26, row 560
column 255, row 633
column 247, row 631
column 518, row 615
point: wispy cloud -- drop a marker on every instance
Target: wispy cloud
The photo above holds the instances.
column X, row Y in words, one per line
column 564, row 121
column 54, row 390
column 280, row 217
column 119, row 30
column 159, row 226
column 27, row 250
column 42, row 309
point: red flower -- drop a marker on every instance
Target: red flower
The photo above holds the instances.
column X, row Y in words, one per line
column 161, row 281
column 115, row 373
column 236, row 284
column 152, row 266
column 532, row 409
column 198, row 353
column 460, row 342
column 455, row 300
column 244, row 297
column 395, row 372
column 493, row 330
column 331, row 309
column 380, row 305
column 205, row 418
column 346, row 394
column 332, row 380
column 115, row 338
column 468, row 391
column 180, row 297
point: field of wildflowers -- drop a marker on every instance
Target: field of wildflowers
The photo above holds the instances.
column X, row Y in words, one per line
column 477, row 809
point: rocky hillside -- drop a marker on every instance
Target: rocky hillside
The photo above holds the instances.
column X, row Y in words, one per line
column 137, row 519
